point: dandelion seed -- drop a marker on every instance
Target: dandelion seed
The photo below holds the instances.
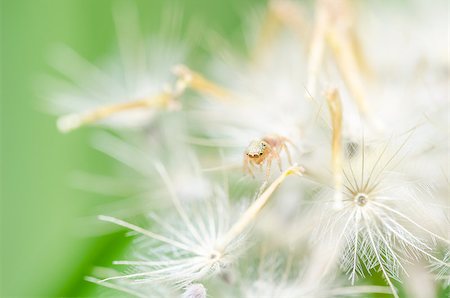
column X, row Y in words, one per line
column 131, row 87
column 442, row 269
column 194, row 291
column 376, row 222
column 127, row 286
column 167, row 99
column 284, row 276
column 207, row 246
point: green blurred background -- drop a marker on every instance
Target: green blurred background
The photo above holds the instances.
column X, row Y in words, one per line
column 42, row 253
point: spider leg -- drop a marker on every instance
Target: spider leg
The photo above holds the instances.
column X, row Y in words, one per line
column 275, row 154
column 286, row 140
column 247, row 166
column 288, row 153
column 251, row 171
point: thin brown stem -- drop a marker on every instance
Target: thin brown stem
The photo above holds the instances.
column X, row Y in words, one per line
column 253, row 211
column 334, row 104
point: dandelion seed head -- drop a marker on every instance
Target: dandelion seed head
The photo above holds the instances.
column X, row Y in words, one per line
column 378, row 225
column 186, row 250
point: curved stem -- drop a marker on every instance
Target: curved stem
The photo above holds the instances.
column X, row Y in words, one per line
column 70, row 122
column 253, row 211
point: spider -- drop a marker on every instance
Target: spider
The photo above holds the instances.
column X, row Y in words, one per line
column 265, row 150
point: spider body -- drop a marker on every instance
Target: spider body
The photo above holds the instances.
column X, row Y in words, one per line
column 262, row 152
column 257, row 151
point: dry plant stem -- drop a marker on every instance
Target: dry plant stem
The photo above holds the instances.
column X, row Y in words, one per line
column 280, row 14
column 361, row 58
column 288, row 14
column 186, row 78
column 199, row 83
column 360, row 290
column 335, row 28
column 347, row 62
column 73, row 121
column 269, row 28
column 253, row 211
column 291, row 15
column 316, row 53
column 335, row 107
